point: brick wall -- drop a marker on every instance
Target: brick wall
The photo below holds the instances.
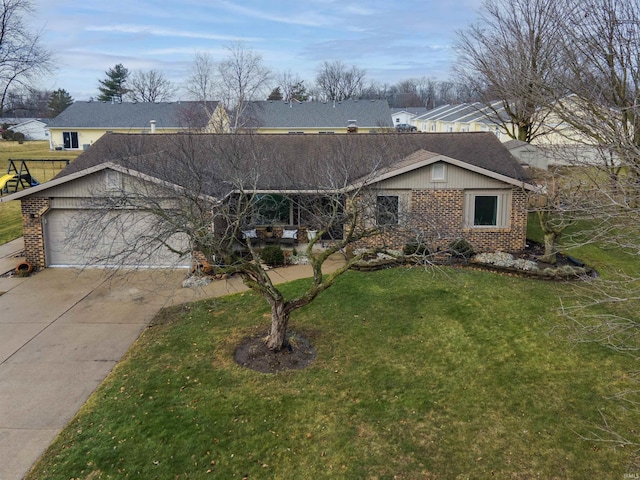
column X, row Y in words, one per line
column 32, row 211
column 437, row 217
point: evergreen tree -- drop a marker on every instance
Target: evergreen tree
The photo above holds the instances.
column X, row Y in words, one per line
column 275, row 94
column 299, row 92
column 58, row 102
column 114, row 86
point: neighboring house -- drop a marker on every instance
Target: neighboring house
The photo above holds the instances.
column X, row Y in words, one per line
column 464, row 117
column 82, row 123
column 528, row 155
column 450, row 186
column 348, row 116
column 33, row 129
column 406, row 115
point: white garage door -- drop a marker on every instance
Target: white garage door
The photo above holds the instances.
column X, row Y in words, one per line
column 125, row 238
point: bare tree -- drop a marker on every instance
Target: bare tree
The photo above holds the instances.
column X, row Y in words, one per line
column 598, row 97
column 200, row 83
column 242, row 77
column 150, row 86
column 338, row 82
column 207, row 196
column 514, row 55
column 22, row 57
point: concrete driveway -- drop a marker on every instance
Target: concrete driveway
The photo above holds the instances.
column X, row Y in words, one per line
column 61, row 333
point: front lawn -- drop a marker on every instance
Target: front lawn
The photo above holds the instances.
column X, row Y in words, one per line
column 419, row 375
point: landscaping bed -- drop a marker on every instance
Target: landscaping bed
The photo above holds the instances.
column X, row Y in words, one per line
column 526, row 264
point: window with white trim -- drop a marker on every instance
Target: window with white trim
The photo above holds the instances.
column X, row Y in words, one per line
column 70, row 140
column 113, row 181
column 487, row 208
column 438, row 172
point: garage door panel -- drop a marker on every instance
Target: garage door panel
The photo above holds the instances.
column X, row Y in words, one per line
column 123, row 238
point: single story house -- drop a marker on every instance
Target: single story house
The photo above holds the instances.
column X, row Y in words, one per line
column 407, row 115
column 347, row 116
column 463, row 117
column 32, row 129
column 82, row 123
column 446, row 186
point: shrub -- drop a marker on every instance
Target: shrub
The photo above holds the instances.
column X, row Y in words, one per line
column 18, row 137
column 461, row 248
column 7, row 135
column 416, row 248
column 272, row 255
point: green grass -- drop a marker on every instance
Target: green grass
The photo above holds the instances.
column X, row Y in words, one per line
column 10, row 218
column 419, row 375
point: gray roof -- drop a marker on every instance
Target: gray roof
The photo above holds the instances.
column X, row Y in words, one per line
column 133, row 115
column 465, row 113
column 412, row 110
column 326, row 115
column 285, row 162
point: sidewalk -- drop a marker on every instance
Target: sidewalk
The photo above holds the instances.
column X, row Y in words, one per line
column 11, row 254
column 63, row 330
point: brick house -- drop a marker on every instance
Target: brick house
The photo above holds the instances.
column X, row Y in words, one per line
column 433, row 187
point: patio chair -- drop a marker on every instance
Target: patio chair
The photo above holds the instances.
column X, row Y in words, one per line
column 289, row 236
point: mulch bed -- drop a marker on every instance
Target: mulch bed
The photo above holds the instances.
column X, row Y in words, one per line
column 253, row 353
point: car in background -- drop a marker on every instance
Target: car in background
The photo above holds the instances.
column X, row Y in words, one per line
column 405, row 127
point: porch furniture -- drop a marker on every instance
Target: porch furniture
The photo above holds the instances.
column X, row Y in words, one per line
column 289, row 236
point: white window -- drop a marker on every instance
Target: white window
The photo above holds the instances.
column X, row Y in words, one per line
column 113, row 181
column 438, row 172
column 487, row 208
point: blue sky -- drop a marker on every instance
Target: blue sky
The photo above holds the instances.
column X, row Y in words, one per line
column 391, row 40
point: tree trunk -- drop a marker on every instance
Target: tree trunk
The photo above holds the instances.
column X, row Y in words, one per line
column 279, row 321
column 549, row 248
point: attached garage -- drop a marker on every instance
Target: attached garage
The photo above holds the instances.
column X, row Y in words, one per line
column 86, row 238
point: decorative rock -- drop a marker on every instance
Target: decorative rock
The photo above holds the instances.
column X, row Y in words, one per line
column 196, row 282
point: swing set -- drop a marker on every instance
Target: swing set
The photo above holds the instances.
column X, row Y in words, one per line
column 19, row 175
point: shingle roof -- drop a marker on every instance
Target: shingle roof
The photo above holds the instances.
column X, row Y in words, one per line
column 130, row 115
column 465, row 112
column 293, row 162
column 411, row 110
column 297, row 115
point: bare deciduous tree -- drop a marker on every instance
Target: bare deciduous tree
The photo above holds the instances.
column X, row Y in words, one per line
column 513, row 55
column 22, row 56
column 242, row 77
column 338, row 82
column 215, row 185
column 150, row 86
column 200, row 83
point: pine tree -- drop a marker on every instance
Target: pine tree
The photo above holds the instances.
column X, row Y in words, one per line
column 113, row 88
column 58, row 102
column 299, row 92
column 275, row 94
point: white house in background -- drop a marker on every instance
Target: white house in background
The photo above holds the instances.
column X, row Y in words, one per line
column 406, row 115
column 33, row 129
